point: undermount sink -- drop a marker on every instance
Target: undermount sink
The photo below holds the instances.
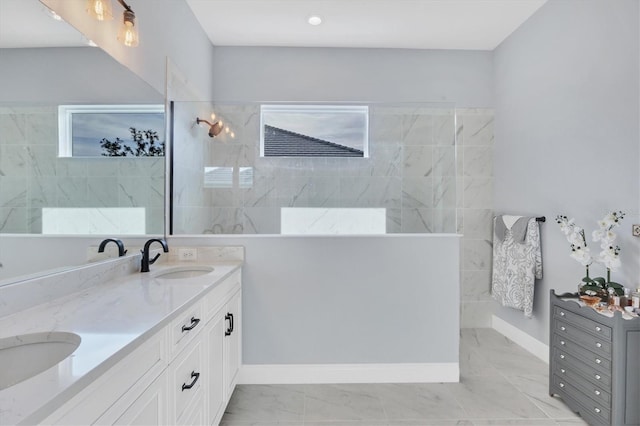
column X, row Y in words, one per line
column 27, row 355
column 182, row 272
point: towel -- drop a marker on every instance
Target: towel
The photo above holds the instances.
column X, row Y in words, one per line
column 517, row 261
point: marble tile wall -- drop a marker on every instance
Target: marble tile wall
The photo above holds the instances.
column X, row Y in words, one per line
column 474, row 128
column 32, row 176
column 411, row 172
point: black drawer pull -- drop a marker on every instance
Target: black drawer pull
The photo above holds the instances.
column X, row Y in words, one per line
column 195, row 376
column 229, row 330
column 194, row 322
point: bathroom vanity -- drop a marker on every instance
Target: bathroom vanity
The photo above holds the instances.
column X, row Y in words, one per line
column 157, row 348
column 595, row 362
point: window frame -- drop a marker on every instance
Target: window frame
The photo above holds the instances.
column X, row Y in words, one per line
column 309, row 108
column 65, row 121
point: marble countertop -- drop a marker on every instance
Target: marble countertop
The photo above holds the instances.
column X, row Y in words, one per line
column 112, row 319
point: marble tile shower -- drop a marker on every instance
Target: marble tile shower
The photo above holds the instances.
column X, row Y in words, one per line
column 33, row 177
column 411, row 172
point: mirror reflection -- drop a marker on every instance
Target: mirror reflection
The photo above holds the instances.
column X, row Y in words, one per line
column 117, row 192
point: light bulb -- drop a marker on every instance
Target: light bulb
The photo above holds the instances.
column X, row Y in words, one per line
column 226, row 129
column 213, row 116
column 128, row 34
column 100, row 9
column 233, row 135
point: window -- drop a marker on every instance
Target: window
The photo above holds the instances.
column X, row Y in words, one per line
column 314, row 131
column 111, row 130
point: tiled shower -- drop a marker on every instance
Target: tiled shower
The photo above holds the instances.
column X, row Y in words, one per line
column 430, row 167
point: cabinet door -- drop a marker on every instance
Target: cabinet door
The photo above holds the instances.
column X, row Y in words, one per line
column 233, row 342
column 214, row 333
column 149, row 409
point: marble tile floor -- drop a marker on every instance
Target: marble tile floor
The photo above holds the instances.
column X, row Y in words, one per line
column 500, row 384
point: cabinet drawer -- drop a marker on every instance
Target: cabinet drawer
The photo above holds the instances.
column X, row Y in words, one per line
column 593, row 360
column 587, row 340
column 185, row 327
column 599, row 394
column 567, row 362
column 582, row 404
column 187, row 380
column 582, row 322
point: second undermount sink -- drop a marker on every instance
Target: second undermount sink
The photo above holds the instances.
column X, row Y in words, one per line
column 27, row 355
column 182, row 272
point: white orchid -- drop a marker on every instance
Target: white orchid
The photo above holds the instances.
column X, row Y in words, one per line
column 575, row 235
column 609, row 254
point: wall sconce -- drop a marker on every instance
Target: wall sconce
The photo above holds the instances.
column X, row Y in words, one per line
column 102, row 11
column 214, row 129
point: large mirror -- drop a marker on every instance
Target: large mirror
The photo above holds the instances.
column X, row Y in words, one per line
column 46, row 194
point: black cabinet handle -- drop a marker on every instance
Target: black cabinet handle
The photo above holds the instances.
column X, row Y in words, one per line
column 194, row 322
column 195, row 376
column 229, row 317
column 232, row 323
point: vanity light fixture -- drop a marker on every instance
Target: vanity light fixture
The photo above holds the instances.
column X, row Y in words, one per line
column 128, row 34
column 102, row 11
column 214, row 129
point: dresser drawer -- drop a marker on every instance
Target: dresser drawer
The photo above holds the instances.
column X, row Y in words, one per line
column 582, row 404
column 564, row 361
column 599, row 394
column 591, row 359
column 587, row 340
column 582, row 322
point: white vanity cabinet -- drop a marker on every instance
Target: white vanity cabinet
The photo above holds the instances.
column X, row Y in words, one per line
column 184, row 374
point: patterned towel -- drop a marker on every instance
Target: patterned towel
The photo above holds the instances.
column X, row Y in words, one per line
column 517, row 262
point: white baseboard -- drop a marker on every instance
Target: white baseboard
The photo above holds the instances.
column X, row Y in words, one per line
column 535, row 346
column 348, row 373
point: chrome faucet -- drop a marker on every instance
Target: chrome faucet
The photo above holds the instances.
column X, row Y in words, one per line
column 121, row 250
column 145, row 262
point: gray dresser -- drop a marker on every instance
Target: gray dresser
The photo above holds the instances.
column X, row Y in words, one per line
column 594, row 363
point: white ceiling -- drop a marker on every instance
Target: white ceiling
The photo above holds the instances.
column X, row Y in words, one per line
column 416, row 24
column 28, row 23
column 413, row 24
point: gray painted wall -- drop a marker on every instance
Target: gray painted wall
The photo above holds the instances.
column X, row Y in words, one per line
column 347, row 299
column 326, row 74
column 566, row 93
column 73, row 74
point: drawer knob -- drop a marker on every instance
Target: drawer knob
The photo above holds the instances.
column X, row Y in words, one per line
column 598, row 344
column 561, row 356
column 598, row 361
column 562, row 342
column 597, row 392
column 562, row 370
column 597, row 410
column 561, row 313
column 561, row 385
column 598, row 377
column 598, row 328
column 563, row 328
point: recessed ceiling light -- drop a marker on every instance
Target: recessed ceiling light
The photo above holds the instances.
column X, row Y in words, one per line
column 315, row 20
